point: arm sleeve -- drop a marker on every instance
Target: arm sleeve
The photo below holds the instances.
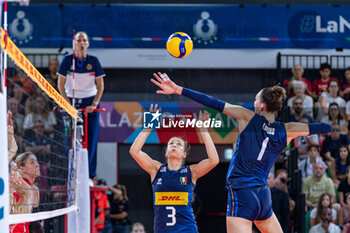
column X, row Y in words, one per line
column 204, row 99
column 319, row 128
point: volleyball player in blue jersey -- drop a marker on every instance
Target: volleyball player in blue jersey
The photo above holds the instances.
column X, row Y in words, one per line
column 173, row 183
column 260, row 141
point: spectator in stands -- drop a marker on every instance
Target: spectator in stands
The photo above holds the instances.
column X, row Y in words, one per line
column 304, row 142
column 137, row 227
column 326, row 224
column 42, row 112
column 341, row 163
column 344, row 187
column 317, row 184
column 120, row 207
column 316, row 213
column 297, row 72
column 334, row 116
column 108, row 228
column 89, row 86
column 345, row 86
column 52, row 76
column 271, row 180
column 17, row 117
column 27, row 83
column 281, row 182
column 332, row 143
column 280, row 199
column 344, row 214
column 31, row 101
column 40, row 145
column 306, row 165
column 17, row 94
column 298, row 111
column 331, row 96
column 308, row 103
column 102, row 208
column 320, row 85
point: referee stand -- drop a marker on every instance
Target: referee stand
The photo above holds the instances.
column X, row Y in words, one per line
column 93, row 189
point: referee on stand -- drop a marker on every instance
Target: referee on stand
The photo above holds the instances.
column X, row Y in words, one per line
column 88, row 89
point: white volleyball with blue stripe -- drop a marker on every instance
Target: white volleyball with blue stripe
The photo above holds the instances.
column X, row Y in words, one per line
column 179, row 45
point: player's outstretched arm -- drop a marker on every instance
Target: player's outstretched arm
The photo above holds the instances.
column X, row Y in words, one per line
column 144, row 160
column 296, row 129
column 168, row 87
column 203, row 167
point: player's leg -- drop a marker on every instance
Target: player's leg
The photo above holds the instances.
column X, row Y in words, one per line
column 270, row 225
column 238, row 225
column 266, row 222
column 242, row 209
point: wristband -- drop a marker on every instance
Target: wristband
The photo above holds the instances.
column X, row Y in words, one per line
column 204, row 99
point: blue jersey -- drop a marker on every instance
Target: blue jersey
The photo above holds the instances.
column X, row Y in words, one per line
column 257, row 149
column 86, row 71
column 172, row 194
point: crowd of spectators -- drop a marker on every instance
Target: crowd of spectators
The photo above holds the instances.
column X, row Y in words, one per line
column 323, row 160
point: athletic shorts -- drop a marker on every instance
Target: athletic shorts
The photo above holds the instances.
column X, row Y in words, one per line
column 249, row 203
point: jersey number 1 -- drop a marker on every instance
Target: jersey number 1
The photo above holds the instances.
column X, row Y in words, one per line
column 172, row 216
column 263, row 148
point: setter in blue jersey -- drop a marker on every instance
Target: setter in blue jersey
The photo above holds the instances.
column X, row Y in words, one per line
column 173, row 183
column 260, row 141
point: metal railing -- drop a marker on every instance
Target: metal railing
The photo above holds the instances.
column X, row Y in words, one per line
column 42, row 60
column 310, row 62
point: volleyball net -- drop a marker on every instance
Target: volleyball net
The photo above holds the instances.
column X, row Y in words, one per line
column 41, row 178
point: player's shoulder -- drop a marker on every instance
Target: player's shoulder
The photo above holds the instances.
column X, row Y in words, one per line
column 91, row 58
column 68, row 56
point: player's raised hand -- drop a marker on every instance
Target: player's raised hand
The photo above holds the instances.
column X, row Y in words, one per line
column 203, row 117
column 151, row 109
column 167, row 86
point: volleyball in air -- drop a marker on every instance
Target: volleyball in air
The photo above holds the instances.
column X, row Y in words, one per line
column 179, row 45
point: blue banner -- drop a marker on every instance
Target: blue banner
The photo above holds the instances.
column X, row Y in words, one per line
column 209, row 26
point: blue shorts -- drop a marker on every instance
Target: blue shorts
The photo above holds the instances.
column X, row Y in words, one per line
column 249, row 203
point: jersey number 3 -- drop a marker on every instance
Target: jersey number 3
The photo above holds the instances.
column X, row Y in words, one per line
column 263, row 148
column 171, row 216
